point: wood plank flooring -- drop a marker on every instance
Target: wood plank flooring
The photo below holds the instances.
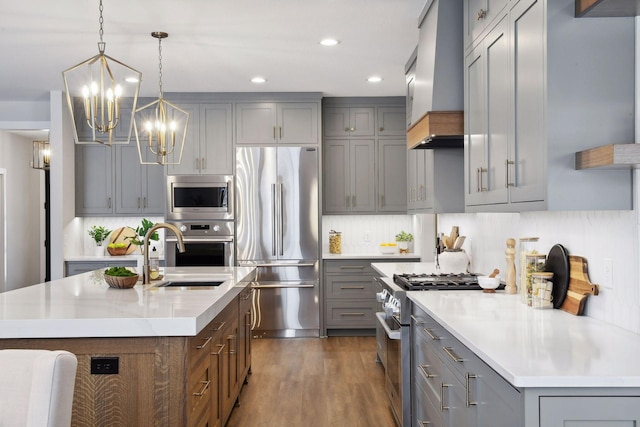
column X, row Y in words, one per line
column 314, row 382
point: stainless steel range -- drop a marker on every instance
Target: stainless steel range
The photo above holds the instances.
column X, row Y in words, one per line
column 394, row 328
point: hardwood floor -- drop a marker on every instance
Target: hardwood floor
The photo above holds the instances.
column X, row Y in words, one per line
column 314, row 382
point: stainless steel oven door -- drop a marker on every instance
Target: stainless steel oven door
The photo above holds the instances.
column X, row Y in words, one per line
column 200, row 252
column 393, row 371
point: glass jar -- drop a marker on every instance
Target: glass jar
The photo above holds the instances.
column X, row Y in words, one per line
column 335, row 242
column 533, row 263
column 526, row 246
column 541, row 290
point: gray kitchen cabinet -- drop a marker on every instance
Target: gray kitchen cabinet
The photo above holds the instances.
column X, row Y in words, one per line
column 94, row 180
column 78, row 267
column 486, row 166
column 417, row 200
column 349, row 121
column 277, row 123
column 479, row 15
column 561, row 99
column 349, row 294
column 392, row 176
column 349, row 176
column 392, row 121
column 410, row 81
column 139, row 189
column 434, row 181
column 208, row 147
column 452, row 387
column 589, row 411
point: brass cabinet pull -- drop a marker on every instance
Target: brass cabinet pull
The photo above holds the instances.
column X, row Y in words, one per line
column 144, row 202
column 222, row 346
column 353, row 201
column 477, row 180
column 351, row 267
column 247, row 316
column 204, row 163
column 424, row 423
column 220, row 327
column 204, row 388
column 109, row 202
column 426, row 373
column 351, row 287
column 442, row 387
column 417, row 320
column 347, row 129
column 203, row 345
column 382, row 200
column 481, row 14
column 430, row 333
column 481, row 184
column 280, row 127
column 229, row 338
column 381, row 129
column 274, row 132
column 507, row 163
column 468, row 377
column 452, row 354
column 198, row 163
column 351, row 314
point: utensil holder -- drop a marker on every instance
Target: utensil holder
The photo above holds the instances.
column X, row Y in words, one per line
column 454, row 262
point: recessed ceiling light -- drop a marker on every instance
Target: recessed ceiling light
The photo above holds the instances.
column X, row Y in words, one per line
column 374, row 79
column 258, row 80
column 329, row 42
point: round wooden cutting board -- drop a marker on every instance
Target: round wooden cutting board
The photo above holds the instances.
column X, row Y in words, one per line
column 120, row 235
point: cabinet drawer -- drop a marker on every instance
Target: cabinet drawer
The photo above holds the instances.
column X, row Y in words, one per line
column 351, row 314
column 428, row 369
column 424, row 411
column 349, row 286
column 350, row 267
column 199, row 389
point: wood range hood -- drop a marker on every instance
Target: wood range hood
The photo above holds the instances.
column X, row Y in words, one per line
column 437, row 129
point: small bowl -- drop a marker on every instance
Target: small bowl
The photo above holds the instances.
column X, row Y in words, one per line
column 488, row 284
column 117, row 251
column 121, row 282
column 388, row 250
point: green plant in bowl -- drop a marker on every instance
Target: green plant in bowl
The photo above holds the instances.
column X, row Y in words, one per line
column 404, row 237
column 99, row 233
column 119, row 272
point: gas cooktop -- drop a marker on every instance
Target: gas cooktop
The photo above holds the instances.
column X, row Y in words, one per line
column 425, row 282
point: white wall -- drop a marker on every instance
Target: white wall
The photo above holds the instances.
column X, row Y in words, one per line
column 23, row 209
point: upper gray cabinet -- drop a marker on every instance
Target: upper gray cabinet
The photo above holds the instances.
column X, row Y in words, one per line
column 535, row 84
column 392, row 122
column 139, row 189
column 348, row 122
column 479, row 15
column 392, row 179
column 277, row 123
column 209, row 145
column 94, row 180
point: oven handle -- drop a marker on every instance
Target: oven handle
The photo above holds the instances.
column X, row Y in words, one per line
column 394, row 335
column 201, row 239
column 275, row 264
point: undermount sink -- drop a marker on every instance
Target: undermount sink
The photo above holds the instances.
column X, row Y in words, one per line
column 190, row 284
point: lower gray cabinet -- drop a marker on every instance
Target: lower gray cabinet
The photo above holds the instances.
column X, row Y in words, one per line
column 589, row 411
column 78, row 267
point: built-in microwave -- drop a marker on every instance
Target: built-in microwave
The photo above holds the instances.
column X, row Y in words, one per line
column 199, row 197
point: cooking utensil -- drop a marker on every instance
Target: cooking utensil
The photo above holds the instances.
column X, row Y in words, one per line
column 121, row 235
column 445, row 241
column 453, row 235
column 558, row 264
column 459, row 242
column 579, row 286
column 494, row 273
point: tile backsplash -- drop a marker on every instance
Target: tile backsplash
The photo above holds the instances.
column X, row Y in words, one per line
column 361, row 234
column 596, row 236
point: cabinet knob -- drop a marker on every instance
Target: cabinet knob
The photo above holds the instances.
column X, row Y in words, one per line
column 482, row 14
column 381, row 129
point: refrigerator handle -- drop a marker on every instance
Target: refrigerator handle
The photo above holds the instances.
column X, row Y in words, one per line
column 273, row 221
column 281, row 219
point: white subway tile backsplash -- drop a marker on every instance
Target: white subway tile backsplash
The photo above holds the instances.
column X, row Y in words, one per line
column 361, row 234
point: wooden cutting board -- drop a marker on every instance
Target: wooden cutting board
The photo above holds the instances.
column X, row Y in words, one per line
column 579, row 286
column 120, row 235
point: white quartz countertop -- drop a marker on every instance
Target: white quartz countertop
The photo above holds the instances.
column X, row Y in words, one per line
column 536, row 348
column 529, row 347
column 85, row 306
column 397, row 256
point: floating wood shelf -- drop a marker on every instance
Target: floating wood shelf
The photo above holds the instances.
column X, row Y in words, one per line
column 607, row 8
column 612, row 156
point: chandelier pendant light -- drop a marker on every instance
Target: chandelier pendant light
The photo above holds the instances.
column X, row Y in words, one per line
column 160, row 126
column 102, row 94
column 41, row 156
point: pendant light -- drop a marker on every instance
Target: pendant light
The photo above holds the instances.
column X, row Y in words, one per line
column 41, row 155
column 160, row 127
column 102, row 94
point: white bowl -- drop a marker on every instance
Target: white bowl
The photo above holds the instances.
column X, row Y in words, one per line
column 388, row 250
column 487, row 282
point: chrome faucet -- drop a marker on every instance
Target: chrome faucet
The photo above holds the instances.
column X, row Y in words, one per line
column 146, row 273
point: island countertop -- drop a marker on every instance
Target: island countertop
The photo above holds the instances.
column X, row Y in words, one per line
column 85, row 306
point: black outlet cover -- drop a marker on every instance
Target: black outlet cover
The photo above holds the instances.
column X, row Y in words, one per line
column 104, row 365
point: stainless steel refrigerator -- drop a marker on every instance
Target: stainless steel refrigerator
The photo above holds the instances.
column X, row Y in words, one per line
column 277, row 231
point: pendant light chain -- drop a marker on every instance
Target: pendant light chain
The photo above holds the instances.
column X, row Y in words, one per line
column 160, row 66
column 101, row 43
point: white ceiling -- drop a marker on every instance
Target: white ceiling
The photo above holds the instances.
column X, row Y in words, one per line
column 213, row 45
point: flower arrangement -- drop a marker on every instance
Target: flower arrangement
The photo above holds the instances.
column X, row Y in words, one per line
column 99, row 234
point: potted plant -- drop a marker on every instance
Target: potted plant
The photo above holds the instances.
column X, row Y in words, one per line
column 99, row 233
column 403, row 238
column 141, row 231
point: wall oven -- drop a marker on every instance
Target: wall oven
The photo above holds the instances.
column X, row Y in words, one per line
column 199, row 197
column 207, row 244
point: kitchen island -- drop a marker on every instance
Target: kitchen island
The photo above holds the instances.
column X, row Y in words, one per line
column 150, row 355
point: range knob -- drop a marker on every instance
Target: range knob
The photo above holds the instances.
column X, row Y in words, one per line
column 183, row 228
column 216, row 228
